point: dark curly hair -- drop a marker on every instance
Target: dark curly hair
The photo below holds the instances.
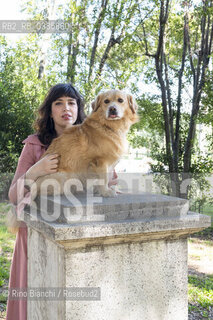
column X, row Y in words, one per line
column 44, row 125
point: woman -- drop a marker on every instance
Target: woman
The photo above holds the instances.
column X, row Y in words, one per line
column 62, row 106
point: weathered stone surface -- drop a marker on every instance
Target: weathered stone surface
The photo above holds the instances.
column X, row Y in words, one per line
column 138, row 281
column 46, row 262
column 124, row 206
column 133, row 247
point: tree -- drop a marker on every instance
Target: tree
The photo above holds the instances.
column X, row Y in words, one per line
column 195, row 51
column 117, row 44
column 21, row 93
column 100, row 29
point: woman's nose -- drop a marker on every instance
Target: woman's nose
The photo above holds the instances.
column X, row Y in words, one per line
column 66, row 107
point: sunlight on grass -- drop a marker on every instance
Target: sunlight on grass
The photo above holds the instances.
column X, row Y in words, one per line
column 200, row 290
column 200, row 248
column 7, row 241
column 204, row 243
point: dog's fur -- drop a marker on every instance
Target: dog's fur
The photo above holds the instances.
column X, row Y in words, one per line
column 90, row 149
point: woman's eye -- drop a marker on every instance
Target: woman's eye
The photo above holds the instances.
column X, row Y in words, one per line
column 120, row 100
column 60, row 103
column 106, row 101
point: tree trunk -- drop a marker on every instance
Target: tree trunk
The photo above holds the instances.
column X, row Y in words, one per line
column 97, row 32
column 45, row 39
column 198, row 73
column 198, row 77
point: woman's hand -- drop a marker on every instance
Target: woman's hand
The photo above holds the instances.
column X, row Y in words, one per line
column 113, row 179
column 46, row 165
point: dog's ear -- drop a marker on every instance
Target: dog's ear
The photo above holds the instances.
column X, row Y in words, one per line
column 132, row 103
column 96, row 103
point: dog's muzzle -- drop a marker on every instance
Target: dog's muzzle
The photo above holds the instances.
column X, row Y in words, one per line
column 112, row 112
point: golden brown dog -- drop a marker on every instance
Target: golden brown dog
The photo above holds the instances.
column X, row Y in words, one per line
column 90, row 149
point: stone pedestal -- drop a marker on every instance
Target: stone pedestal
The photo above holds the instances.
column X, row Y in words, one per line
column 132, row 250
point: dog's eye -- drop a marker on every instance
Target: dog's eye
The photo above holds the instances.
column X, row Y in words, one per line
column 120, row 100
column 106, row 101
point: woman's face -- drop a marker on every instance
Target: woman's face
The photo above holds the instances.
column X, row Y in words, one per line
column 64, row 112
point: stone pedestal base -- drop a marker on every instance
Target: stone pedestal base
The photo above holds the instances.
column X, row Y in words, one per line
column 137, row 264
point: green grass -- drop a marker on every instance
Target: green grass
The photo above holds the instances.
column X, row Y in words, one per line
column 7, row 241
column 205, row 234
column 201, row 290
column 208, row 209
column 200, row 287
column 207, row 243
column 200, row 296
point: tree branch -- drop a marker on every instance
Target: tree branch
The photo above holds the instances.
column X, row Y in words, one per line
column 159, row 69
column 179, row 97
column 189, row 46
column 97, row 33
column 203, row 60
column 169, row 99
column 112, row 40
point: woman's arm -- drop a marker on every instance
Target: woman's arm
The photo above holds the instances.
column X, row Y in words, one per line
column 30, row 170
column 26, row 160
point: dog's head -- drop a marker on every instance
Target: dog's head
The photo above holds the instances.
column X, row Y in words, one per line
column 115, row 105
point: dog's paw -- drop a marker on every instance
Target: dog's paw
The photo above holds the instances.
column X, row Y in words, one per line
column 107, row 193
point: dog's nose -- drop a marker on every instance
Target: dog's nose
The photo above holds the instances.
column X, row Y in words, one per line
column 113, row 110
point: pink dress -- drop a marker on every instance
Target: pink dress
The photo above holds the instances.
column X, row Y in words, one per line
column 31, row 153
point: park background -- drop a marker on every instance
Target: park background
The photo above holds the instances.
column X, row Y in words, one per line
column 160, row 51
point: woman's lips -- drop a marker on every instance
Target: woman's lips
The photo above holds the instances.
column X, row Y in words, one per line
column 66, row 116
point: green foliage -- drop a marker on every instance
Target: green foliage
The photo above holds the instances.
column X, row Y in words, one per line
column 5, row 182
column 172, row 58
column 126, row 64
column 122, row 64
column 206, row 113
column 149, row 129
column 21, row 92
column 201, row 290
column 4, row 270
column 6, row 245
column 149, row 133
